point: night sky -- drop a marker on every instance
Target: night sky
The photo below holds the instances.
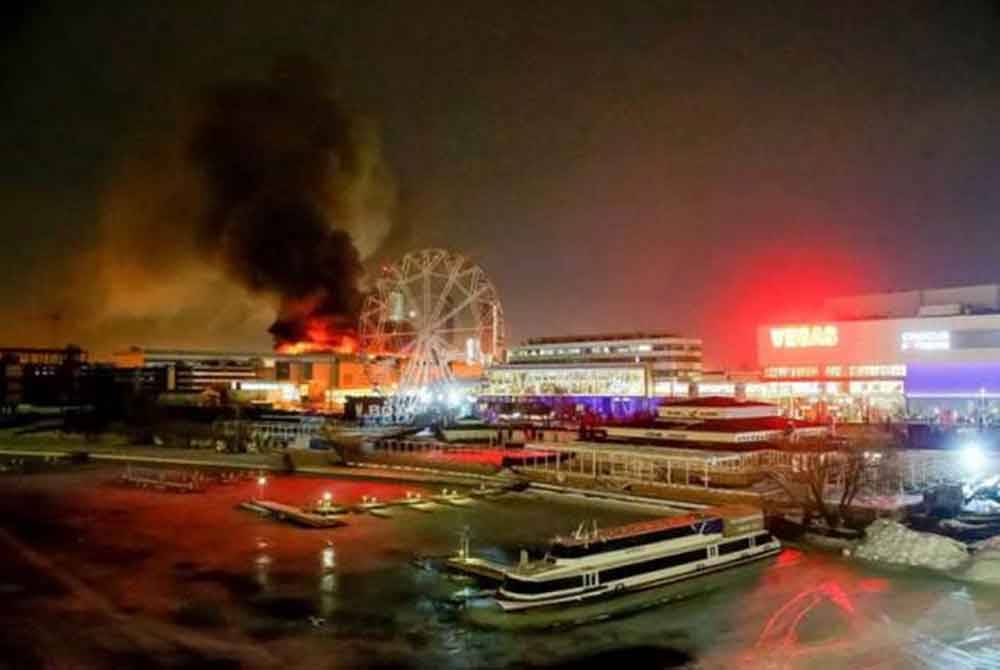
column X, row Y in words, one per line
column 698, row 167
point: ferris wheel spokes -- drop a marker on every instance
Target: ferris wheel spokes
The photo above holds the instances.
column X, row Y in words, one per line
column 432, row 308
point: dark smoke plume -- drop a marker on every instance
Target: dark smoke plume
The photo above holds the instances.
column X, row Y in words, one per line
column 270, row 187
column 272, row 209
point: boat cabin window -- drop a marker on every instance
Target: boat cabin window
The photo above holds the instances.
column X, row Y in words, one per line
column 734, row 546
column 653, row 565
column 515, row 585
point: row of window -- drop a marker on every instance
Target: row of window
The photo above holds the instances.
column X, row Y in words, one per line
column 653, row 565
column 733, row 546
column 611, row 359
column 630, row 349
column 514, row 585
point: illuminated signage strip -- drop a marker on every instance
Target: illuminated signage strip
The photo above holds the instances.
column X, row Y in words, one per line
column 836, row 371
column 786, row 372
column 876, row 370
column 584, row 381
column 926, row 340
column 802, row 337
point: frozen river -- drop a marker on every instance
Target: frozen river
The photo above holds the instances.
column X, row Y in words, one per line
column 102, row 576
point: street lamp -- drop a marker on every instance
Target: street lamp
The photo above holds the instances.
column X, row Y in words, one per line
column 261, row 483
column 973, row 458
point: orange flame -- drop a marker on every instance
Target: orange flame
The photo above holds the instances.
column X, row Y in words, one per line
column 320, row 337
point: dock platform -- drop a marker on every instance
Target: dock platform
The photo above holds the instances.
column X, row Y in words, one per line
column 163, row 480
column 478, row 567
column 291, row 514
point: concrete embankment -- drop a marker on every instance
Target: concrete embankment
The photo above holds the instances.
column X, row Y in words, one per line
column 308, row 463
column 326, row 464
column 660, row 504
column 672, row 494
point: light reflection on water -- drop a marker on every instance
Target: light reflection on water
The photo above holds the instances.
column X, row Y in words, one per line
column 262, row 570
column 354, row 597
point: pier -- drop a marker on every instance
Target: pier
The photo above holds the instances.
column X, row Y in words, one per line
column 295, row 515
column 478, row 567
column 483, row 568
column 183, row 481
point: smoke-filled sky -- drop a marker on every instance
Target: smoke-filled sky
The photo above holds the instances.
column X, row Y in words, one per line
column 694, row 166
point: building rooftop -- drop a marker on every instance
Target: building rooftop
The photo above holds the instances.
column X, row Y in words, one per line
column 562, row 365
column 713, row 401
column 653, row 525
column 154, row 353
column 750, row 425
column 603, row 337
column 976, row 299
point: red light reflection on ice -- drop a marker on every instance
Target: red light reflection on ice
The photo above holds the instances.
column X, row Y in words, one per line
column 781, row 630
column 874, row 585
column 788, row 557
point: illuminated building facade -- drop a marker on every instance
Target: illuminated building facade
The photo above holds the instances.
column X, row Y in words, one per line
column 323, row 380
column 607, row 374
column 667, row 356
column 932, row 354
column 611, row 389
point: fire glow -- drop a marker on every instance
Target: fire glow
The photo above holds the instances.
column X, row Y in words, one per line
column 320, row 336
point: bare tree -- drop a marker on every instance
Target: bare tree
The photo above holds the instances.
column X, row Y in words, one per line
column 843, row 468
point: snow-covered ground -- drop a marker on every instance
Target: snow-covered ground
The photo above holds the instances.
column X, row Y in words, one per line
column 985, row 566
column 891, row 542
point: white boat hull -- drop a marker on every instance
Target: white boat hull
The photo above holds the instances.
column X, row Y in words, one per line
column 515, row 603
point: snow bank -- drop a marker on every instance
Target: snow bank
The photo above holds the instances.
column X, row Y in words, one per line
column 985, row 565
column 890, row 542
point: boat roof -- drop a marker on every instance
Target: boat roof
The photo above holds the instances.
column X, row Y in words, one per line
column 713, row 401
column 663, row 523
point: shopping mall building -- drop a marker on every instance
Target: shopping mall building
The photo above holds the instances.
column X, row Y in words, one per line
column 931, row 354
column 612, row 374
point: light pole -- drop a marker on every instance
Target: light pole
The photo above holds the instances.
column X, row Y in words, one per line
column 982, row 407
column 261, row 483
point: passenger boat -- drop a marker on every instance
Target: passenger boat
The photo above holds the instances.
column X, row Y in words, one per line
column 595, row 563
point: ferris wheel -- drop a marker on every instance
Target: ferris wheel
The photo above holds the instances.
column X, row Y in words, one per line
column 433, row 310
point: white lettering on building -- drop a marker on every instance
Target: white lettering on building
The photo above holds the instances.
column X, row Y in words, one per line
column 926, row 340
column 791, row 337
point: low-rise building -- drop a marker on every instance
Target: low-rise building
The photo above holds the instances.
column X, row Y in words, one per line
column 715, row 421
column 319, row 379
column 11, row 373
column 46, row 376
column 607, row 374
column 668, row 356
